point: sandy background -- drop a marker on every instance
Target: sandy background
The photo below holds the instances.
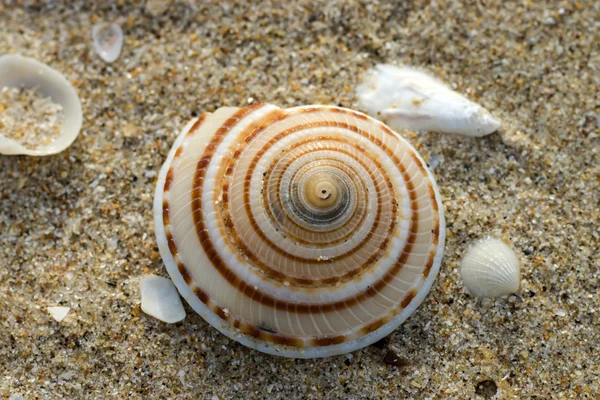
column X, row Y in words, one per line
column 76, row 228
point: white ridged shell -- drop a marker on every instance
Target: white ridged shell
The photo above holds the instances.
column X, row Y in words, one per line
column 491, row 269
column 17, row 71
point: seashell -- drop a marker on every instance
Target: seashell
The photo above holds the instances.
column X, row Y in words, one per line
column 160, row 299
column 491, row 269
column 108, row 41
column 406, row 98
column 301, row 232
column 17, row 71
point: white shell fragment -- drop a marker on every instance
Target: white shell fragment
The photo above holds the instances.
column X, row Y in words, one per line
column 108, row 41
column 406, row 98
column 302, row 232
column 160, row 299
column 17, row 71
column 491, row 269
column 59, row 313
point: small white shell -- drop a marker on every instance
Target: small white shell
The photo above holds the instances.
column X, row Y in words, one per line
column 108, row 41
column 406, row 98
column 160, row 299
column 17, row 71
column 491, row 269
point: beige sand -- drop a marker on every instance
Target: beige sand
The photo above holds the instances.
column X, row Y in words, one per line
column 76, row 228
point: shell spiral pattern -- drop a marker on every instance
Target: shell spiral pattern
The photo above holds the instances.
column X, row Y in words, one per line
column 302, row 232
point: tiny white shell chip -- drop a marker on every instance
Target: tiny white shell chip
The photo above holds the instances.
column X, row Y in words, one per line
column 17, row 71
column 108, row 41
column 59, row 313
column 491, row 269
column 160, row 299
column 406, row 98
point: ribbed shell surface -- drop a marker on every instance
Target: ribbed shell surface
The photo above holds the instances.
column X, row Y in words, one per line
column 302, row 232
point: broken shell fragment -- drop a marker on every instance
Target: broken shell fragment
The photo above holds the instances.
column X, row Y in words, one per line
column 16, row 72
column 59, row 313
column 303, row 232
column 491, row 269
column 108, row 41
column 160, row 299
column 406, row 98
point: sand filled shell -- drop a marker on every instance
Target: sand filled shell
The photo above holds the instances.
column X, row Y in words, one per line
column 23, row 72
column 305, row 232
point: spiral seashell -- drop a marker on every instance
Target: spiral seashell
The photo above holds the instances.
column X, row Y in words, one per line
column 491, row 269
column 305, row 232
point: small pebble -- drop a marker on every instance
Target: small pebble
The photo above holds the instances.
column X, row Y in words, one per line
column 67, row 375
column 487, row 389
column 158, row 7
column 434, row 161
column 59, row 313
column 391, row 358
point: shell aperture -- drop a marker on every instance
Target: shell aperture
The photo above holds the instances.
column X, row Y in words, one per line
column 302, row 232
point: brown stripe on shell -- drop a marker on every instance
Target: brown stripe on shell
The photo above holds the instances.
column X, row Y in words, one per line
column 190, row 133
column 201, row 295
column 429, row 264
column 171, row 242
column 197, row 124
column 221, row 313
column 165, row 213
column 168, row 180
column 408, row 298
column 184, row 273
column 328, row 340
column 178, row 152
column 375, row 325
column 282, row 340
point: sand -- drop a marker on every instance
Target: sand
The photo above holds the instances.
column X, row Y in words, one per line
column 28, row 117
column 76, row 228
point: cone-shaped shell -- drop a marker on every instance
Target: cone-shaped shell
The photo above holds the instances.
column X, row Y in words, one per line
column 491, row 269
column 305, row 232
